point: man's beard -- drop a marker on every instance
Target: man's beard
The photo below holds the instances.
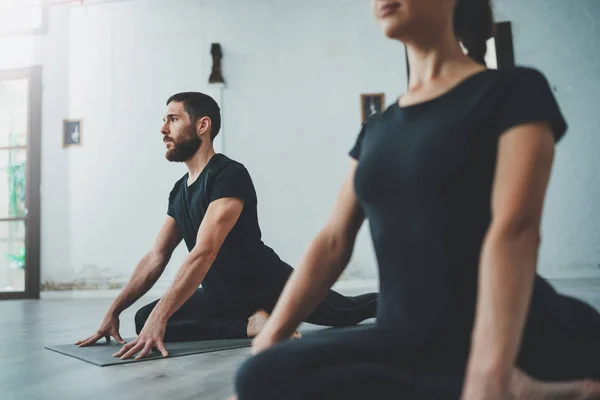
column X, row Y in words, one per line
column 184, row 148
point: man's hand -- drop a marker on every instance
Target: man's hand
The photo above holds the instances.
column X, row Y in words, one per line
column 108, row 327
column 150, row 338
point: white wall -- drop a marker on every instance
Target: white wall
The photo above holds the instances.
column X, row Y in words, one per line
column 294, row 72
column 290, row 107
column 562, row 38
column 55, row 204
column 50, row 51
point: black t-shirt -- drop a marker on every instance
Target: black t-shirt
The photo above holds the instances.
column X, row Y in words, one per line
column 424, row 180
column 244, row 266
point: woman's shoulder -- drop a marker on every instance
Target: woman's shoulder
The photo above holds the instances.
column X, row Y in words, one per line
column 524, row 94
column 518, row 77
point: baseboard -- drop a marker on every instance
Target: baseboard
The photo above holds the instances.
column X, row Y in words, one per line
column 572, row 272
column 350, row 286
column 91, row 294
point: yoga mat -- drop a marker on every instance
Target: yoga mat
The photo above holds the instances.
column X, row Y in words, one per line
column 100, row 353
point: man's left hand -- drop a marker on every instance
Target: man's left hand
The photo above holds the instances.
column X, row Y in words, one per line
column 150, row 338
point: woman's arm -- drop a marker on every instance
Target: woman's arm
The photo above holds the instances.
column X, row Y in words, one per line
column 509, row 258
column 326, row 258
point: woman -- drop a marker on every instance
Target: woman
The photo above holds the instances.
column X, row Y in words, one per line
column 452, row 179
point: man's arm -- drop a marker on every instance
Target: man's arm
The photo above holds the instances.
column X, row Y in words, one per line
column 144, row 276
column 150, row 267
column 221, row 216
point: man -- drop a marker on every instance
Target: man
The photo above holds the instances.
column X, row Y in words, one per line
column 213, row 207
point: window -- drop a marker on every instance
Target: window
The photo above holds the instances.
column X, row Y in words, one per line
column 23, row 17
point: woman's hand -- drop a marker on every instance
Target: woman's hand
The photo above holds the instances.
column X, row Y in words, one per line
column 262, row 342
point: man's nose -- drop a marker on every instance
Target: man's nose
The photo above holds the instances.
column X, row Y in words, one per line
column 164, row 130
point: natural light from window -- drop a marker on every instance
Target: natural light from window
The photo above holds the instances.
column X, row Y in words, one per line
column 20, row 15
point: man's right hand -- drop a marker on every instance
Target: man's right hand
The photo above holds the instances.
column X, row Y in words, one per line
column 108, row 328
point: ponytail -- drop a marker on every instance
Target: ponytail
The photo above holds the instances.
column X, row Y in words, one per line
column 473, row 26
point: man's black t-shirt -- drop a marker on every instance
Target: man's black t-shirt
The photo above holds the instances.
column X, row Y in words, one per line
column 424, row 180
column 244, row 266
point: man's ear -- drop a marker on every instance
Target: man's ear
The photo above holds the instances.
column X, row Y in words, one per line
column 203, row 125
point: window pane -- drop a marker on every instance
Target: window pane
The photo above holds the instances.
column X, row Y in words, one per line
column 16, row 15
column 12, row 256
column 12, row 183
column 14, row 96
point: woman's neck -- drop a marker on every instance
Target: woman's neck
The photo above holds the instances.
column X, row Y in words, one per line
column 433, row 60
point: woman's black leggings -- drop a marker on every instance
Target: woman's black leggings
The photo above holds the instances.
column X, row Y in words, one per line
column 207, row 316
column 561, row 342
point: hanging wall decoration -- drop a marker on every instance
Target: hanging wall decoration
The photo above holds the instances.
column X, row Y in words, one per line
column 371, row 104
column 72, row 132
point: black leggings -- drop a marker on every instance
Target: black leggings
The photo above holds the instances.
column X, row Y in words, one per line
column 561, row 342
column 206, row 317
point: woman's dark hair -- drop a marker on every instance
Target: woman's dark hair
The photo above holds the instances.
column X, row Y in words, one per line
column 473, row 26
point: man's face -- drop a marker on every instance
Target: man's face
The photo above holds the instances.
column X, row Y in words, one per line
column 179, row 134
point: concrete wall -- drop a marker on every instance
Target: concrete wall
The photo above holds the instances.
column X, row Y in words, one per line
column 562, row 38
column 294, row 73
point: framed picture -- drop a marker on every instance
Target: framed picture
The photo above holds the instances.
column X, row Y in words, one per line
column 371, row 104
column 500, row 50
column 72, row 132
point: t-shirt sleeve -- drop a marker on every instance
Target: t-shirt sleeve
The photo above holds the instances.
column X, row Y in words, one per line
column 170, row 206
column 233, row 181
column 356, row 149
column 528, row 98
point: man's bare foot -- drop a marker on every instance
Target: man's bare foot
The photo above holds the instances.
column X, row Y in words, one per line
column 257, row 322
column 524, row 387
column 591, row 389
column 574, row 390
column 233, row 398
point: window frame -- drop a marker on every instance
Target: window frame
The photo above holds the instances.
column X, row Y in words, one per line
column 41, row 30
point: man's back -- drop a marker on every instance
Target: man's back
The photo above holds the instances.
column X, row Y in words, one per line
column 244, row 264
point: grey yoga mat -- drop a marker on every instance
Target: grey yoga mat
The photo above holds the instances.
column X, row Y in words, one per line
column 100, row 354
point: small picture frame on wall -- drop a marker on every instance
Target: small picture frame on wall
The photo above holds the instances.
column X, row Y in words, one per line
column 371, row 104
column 72, row 132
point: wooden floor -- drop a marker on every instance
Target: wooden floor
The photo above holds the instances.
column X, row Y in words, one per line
column 30, row 372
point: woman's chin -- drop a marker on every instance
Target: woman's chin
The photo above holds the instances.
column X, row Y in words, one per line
column 392, row 29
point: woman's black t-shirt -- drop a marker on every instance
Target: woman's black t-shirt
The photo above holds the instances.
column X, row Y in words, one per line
column 424, row 180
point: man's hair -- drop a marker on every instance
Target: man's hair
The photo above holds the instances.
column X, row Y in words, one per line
column 199, row 105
